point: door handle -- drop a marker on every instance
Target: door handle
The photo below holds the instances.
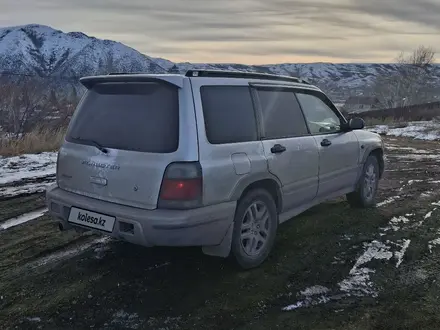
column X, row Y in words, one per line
column 277, row 149
column 326, row 143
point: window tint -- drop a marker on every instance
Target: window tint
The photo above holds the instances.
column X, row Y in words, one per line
column 282, row 116
column 129, row 116
column 320, row 117
column 229, row 114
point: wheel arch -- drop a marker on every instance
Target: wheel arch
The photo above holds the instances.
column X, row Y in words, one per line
column 378, row 153
column 269, row 183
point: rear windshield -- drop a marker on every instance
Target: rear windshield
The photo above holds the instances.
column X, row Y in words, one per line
column 129, row 116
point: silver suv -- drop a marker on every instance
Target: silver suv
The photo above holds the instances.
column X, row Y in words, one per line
column 213, row 159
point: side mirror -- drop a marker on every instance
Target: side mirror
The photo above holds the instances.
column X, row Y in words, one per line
column 356, row 123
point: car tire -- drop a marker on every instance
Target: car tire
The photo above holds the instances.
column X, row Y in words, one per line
column 365, row 194
column 255, row 228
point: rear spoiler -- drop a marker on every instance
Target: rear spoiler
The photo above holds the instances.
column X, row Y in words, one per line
column 91, row 81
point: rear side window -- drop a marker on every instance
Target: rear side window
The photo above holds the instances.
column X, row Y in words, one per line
column 229, row 114
column 129, row 116
column 282, row 115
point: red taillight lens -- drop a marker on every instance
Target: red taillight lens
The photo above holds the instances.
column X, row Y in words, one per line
column 182, row 186
column 181, row 190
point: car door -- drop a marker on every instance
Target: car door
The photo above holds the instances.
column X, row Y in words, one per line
column 338, row 149
column 291, row 151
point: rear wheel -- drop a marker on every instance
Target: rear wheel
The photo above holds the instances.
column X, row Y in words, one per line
column 255, row 227
column 365, row 194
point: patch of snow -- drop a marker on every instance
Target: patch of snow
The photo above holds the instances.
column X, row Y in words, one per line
column 22, row 219
column 379, row 129
column 28, row 188
column 416, row 157
column 410, row 149
column 394, row 147
column 55, row 257
column 426, row 194
column 423, row 130
column 388, row 201
column 410, row 182
column 347, row 237
column 432, row 243
column 399, row 254
column 358, row 282
column 428, row 215
column 123, row 319
column 395, row 222
column 315, row 295
column 375, row 250
column 28, row 166
column 298, row 304
column 315, row 290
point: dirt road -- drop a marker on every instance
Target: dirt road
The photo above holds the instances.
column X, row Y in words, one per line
column 333, row 268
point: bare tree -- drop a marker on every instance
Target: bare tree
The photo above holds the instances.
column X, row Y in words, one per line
column 23, row 104
column 410, row 83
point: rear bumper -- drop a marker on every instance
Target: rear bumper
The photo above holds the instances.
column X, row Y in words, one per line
column 205, row 226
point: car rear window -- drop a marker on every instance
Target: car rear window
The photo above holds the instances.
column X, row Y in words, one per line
column 229, row 114
column 129, row 116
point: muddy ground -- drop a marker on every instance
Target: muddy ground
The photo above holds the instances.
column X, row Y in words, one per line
column 332, row 268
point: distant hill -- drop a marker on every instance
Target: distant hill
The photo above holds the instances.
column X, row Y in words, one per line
column 45, row 52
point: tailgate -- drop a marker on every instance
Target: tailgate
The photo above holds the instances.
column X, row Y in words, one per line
column 120, row 141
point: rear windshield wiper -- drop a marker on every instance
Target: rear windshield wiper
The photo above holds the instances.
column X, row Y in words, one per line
column 93, row 143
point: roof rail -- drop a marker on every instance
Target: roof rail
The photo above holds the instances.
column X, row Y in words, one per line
column 119, row 73
column 241, row 74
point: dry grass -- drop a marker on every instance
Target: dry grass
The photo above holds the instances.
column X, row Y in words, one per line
column 39, row 140
column 390, row 121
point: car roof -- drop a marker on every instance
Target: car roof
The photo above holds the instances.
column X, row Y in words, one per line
column 253, row 78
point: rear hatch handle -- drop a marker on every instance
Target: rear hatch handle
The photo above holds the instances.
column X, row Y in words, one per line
column 99, row 181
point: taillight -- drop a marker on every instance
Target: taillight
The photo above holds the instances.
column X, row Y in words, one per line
column 181, row 186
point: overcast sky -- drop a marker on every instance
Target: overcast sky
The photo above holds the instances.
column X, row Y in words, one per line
column 244, row 31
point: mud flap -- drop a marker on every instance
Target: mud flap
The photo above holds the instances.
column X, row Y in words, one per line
column 224, row 248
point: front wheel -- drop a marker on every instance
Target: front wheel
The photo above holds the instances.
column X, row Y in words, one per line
column 255, row 227
column 365, row 194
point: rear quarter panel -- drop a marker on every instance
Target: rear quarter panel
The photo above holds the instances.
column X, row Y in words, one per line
column 227, row 168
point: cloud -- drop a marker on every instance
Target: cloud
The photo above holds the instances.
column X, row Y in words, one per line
column 246, row 30
column 423, row 12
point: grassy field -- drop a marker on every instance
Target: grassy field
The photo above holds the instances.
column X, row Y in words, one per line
column 39, row 140
column 336, row 267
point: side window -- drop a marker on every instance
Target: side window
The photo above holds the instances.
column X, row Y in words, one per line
column 282, row 116
column 320, row 118
column 229, row 114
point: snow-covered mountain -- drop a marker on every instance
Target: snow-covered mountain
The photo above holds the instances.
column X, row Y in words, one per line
column 43, row 51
